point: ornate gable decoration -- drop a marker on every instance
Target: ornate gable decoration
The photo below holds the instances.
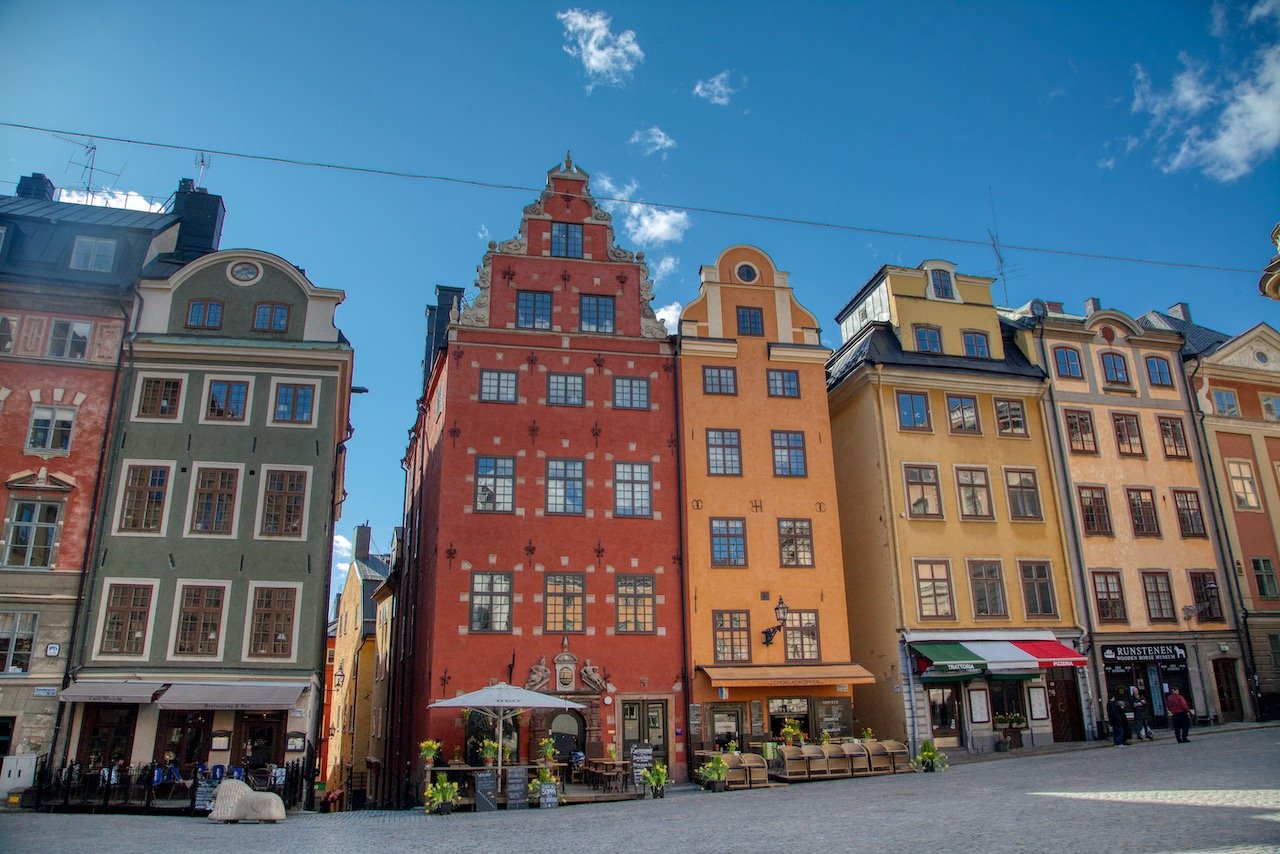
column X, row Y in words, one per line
column 1257, row 349
column 42, row 480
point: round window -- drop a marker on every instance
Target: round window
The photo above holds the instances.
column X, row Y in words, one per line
column 244, row 271
column 1262, row 357
column 746, row 273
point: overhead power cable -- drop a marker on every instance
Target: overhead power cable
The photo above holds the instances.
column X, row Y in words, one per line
column 492, row 185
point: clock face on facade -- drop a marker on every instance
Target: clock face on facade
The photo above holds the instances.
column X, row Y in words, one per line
column 244, row 271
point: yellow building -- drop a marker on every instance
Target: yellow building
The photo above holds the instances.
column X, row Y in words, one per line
column 355, row 755
column 767, row 629
column 1137, row 505
column 960, row 601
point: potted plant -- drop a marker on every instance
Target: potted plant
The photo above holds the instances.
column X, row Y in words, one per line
column 732, row 746
column 1011, row 725
column 826, row 737
column 655, row 778
column 441, row 795
column 791, row 731
column 868, row 734
column 613, row 751
column 714, row 772
column 489, row 751
column 428, row 750
column 547, row 747
column 930, row 758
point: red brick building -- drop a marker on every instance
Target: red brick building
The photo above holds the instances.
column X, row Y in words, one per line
column 542, row 505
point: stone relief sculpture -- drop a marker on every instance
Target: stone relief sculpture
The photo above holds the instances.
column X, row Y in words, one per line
column 591, row 676
column 477, row 313
column 235, row 801
column 539, row 675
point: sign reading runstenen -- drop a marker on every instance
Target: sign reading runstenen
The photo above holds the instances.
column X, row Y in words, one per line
column 1145, row 652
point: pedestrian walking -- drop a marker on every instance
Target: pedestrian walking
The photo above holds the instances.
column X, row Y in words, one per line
column 1180, row 709
column 1141, row 715
column 1116, row 718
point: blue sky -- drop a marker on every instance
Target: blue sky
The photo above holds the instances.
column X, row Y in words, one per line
column 1147, row 130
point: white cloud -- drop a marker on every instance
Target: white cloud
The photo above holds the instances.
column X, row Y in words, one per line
column 642, row 223
column 342, row 553
column 607, row 58
column 670, row 315
column 663, row 267
column 483, row 233
column 1222, row 121
column 653, row 140
column 1107, row 163
column 109, row 198
column 716, row 90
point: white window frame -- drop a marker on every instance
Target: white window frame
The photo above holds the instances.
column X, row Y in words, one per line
column 172, row 466
column 315, row 402
column 177, row 418
column 47, row 452
column 172, row 654
column 89, row 250
column 261, row 506
column 950, row 269
column 248, row 623
column 15, row 500
column 1270, row 404
column 207, row 388
column 15, row 321
column 1253, row 480
column 6, row 668
column 189, row 516
column 1235, row 402
column 88, row 339
column 154, row 584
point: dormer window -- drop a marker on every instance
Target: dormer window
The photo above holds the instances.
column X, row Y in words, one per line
column 270, row 317
column 95, row 254
column 976, row 345
column 566, row 240
column 928, row 339
column 942, row 286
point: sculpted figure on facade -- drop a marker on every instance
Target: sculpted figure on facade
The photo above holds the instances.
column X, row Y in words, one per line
column 539, row 675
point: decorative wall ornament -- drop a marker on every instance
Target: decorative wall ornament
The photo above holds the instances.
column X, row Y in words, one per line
column 591, row 676
column 477, row 313
column 515, row 246
column 617, row 253
column 539, row 675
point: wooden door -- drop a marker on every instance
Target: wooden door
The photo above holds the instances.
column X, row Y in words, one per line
column 1224, row 674
column 1064, row 704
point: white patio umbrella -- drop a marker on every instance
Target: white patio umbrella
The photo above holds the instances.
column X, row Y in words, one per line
column 500, row 703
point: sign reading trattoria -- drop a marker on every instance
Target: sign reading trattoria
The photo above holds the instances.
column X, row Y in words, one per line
column 1145, row 652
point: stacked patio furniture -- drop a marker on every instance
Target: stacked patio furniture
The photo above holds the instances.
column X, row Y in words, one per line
column 817, row 760
column 757, row 769
column 791, row 764
column 881, row 760
column 899, row 756
column 737, row 776
column 838, row 762
column 859, row 759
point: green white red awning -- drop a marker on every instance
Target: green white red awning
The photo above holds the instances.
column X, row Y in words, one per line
column 938, row 660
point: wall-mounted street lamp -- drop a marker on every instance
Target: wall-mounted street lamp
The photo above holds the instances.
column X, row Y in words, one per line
column 339, row 677
column 1210, row 599
column 780, row 611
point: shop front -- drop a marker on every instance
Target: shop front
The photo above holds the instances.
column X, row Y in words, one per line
column 984, row 694
column 1155, row 669
column 749, row 704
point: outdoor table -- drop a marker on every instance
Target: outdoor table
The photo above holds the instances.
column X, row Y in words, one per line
column 606, row 769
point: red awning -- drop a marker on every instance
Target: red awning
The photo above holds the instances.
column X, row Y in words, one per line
column 1050, row 653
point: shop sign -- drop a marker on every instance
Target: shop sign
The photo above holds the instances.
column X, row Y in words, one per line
column 1145, row 652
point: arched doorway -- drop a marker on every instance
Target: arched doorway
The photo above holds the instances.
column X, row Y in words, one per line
column 568, row 731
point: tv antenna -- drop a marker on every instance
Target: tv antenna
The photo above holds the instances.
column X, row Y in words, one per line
column 994, row 234
column 88, row 165
column 203, row 161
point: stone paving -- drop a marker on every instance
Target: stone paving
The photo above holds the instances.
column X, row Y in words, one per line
column 1220, row 792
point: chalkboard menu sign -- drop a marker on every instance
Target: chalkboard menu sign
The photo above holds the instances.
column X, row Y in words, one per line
column 486, row 790
column 757, row 717
column 517, row 787
column 641, row 758
column 695, row 722
column 204, row 795
column 548, row 797
column 834, row 716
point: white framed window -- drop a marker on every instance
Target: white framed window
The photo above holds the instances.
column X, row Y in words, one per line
column 1244, row 486
column 198, row 627
column 227, row 399
column 213, row 500
column 1226, row 403
column 143, row 498
column 159, row 397
column 126, row 619
column 294, row 401
column 271, row 624
column 69, row 339
column 940, row 279
column 284, row 502
column 31, row 535
column 17, row 639
column 49, row 433
column 8, row 333
column 1270, row 406
column 95, row 254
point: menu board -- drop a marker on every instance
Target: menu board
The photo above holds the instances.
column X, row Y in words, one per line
column 834, row 715
column 695, row 723
column 517, row 787
column 205, row 790
column 486, row 790
column 757, row 718
column 641, row 758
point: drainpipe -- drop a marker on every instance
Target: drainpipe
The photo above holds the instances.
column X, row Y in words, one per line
column 102, row 480
column 1074, row 540
column 1223, row 543
column 686, row 678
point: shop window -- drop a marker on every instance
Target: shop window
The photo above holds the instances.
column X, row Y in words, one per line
column 490, row 601
column 1006, row 697
column 724, row 452
column 564, row 603
column 636, row 603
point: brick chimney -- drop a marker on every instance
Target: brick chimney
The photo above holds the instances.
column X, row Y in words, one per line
column 35, row 186
column 1180, row 310
column 1054, row 307
column 360, row 547
column 1092, row 305
column 202, row 213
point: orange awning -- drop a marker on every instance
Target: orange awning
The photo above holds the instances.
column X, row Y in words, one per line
column 787, row 675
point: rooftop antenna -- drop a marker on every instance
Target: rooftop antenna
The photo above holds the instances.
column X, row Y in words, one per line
column 203, row 161
column 994, row 234
column 88, row 168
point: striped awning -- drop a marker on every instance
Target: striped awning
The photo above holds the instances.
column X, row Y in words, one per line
column 970, row 658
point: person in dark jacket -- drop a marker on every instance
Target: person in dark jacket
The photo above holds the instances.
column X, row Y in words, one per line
column 1115, row 717
column 1180, row 709
column 1141, row 715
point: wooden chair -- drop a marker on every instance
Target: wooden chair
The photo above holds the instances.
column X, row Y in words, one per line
column 881, row 761
column 791, row 764
column 757, row 769
column 899, row 756
column 817, row 761
column 859, row 759
column 838, row 762
column 737, row 776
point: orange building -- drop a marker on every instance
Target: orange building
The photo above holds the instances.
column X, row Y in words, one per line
column 768, row 633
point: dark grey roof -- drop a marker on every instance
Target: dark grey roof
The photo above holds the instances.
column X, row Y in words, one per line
column 67, row 212
column 372, row 572
column 877, row 345
column 1197, row 340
